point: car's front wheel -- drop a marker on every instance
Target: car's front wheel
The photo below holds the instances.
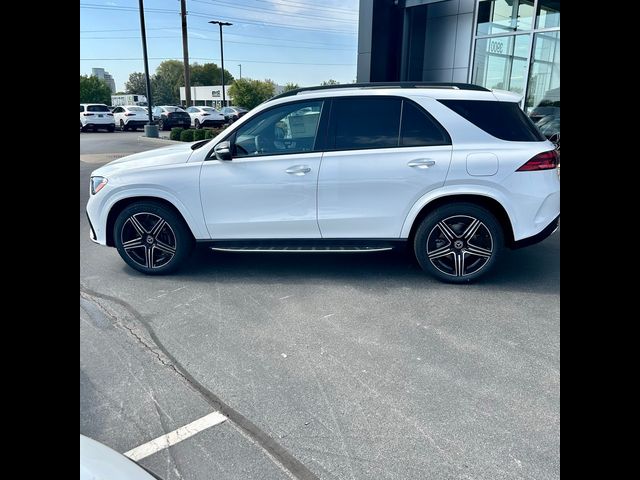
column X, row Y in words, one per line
column 161, row 124
column 458, row 243
column 196, row 124
column 152, row 238
column 123, row 127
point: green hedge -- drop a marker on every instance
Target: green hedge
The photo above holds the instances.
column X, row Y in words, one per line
column 186, row 135
column 175, row 133
column 213, row 132
column 199, row 135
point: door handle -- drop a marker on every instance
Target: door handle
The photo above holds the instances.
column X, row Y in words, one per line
column 422, row 163
column 298, row 170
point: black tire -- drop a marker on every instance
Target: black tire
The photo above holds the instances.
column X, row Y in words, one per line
column 123, row 127
column 161, row 125
column 111, row 128
column 148, row 251
column 464, row 251
column 82, row 129
column 196, row 124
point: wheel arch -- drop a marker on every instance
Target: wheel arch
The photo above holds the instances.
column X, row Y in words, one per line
column 489, row 203
column 121, row 204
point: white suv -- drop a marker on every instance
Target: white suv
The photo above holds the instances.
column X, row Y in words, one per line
column 456, row 171
column 94, row 116
column 130, row 117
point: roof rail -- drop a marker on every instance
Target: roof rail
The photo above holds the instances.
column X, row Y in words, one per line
column 456, row 86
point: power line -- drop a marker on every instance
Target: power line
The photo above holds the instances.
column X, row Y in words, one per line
column 231, row 59
column 235, row 19
column 274, row 12
column 209, row 30
column 288, row 3
column 273, row 24
column 227, row 41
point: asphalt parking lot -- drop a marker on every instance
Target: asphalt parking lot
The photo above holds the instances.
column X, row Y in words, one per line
column 328, row 366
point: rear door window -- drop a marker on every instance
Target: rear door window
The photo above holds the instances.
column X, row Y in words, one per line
column 503, row 120
column 420, row 129
column 364, row 122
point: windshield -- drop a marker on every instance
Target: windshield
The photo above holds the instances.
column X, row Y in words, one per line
column 173, row 109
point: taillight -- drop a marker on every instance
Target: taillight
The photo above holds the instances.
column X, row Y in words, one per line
column 88, row 114
column 204, row 114
column 129, row 114
column 109, row 114
column 542, row 161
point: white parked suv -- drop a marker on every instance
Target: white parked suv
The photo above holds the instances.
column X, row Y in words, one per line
column 205, row 117
column 130, row 117
column 94, row 116
column 456, row 171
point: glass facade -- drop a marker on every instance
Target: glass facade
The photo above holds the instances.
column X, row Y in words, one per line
column 517, row 48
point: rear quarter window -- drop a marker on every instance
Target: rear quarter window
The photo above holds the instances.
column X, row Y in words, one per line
column 503, row 120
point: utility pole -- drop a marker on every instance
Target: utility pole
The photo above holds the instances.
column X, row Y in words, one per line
column 150, row 130
column 185, row 53
column 222, row 24
column 240, row 65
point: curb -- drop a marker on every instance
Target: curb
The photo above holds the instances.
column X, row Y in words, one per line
column 160, row 140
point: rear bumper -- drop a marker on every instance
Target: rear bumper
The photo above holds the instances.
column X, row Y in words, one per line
column 537, row 238
column 212, row 123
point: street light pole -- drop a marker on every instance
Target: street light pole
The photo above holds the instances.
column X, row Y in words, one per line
column 150, row 130
column 221, row 24
column 240, row 65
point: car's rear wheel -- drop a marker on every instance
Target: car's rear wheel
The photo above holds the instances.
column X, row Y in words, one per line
column 161, row 124
column 152, row 238
column 458, row 243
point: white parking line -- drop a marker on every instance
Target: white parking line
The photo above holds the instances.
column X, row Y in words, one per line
column 178, row 435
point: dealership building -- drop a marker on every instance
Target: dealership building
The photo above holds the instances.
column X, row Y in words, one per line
column 499, row 44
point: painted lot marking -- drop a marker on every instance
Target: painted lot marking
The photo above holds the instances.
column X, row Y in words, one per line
column 178, row 435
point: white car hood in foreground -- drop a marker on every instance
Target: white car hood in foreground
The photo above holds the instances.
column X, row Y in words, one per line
column 159, row 156
column 99, row 462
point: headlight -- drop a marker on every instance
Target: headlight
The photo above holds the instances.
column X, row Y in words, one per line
column 97, row 183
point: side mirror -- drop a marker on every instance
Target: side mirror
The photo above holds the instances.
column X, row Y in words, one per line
column 223, row 151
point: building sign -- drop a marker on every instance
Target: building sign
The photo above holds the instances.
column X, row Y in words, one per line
column 216, row 93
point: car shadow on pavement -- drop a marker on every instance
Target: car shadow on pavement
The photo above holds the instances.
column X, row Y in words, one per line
column 533, row 269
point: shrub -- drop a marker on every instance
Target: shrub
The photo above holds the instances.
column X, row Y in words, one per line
column 208, row 134
column 186, row 135
column 199, row 135
column 175, row 133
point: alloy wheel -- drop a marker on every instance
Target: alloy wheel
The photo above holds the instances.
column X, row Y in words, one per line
column 148, row 240
column 460, row 245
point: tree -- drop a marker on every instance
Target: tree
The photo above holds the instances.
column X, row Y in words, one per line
column 94, row 90
column 169, row 73
column 162, row 91
column 291, row 86
column 208, row 74
column 331, row 81
column 136, row 84
column 251, row 93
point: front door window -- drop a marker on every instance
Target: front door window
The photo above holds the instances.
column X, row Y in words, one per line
column 282, row 130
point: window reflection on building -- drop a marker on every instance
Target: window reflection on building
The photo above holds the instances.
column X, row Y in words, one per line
column 518, row 49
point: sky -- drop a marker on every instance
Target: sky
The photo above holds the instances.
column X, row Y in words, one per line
column 299, row 41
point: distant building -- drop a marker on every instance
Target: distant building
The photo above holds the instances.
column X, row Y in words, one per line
column 211, row 95
column 102, row 74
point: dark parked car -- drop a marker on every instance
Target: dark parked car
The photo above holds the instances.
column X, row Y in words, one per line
column 168, row 116
column 231, row 114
